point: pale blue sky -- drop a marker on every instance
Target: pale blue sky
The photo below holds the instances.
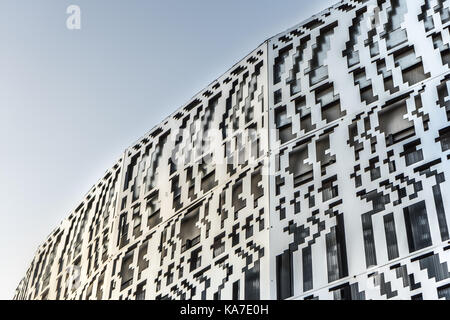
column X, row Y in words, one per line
column 72, row 101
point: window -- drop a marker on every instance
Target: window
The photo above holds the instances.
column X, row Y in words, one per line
column 305, row 114
column 208, row 181
column 252, row 283
column 329, row 102
column 130, row 169
column 137, row 222
column 375, row 171
column 307, row 269
column 140, row 291
column 235, row 235
column 417, row 228
column 283, row 124
column 393, row 123
column 387, row 76
column 236, row 291
column 444, row 292
column 329, row 191
column 153, row 212
column 142, row 261
column 435, row 268
column 336, row 251
column 302, row 172
column 444, row 139
column 256, row 190
column 208, row 174
column 318, row 71
column 342, row 292
column 369, row 241
column 126, row 272
column 277, row 96
column 176, row 190
column 417, row 297
column 323, row 154
column 412, row 67
column 123, row 230
column 440, row 210
column 124, row 203
column 284, row 275
column 169, row 275
column 412, row 155
column 195, row 261
column 219, row 245
column 237, row 202
column 189, row 232
column 365, row 86
column 99, row 293
column 395, row 34
column 248, row 227
column 279, row 65
column 391, row 236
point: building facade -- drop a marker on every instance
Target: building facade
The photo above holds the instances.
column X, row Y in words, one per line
column 315, row 168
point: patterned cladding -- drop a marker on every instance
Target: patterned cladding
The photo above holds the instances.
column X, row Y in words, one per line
column 315, row 168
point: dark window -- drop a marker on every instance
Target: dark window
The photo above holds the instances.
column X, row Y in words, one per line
column 412, row 155
column 252, row 283
column 235, row 235
column 393, row 124
column 236, row 290
column 411, row 66
column 417, row 297
column 140, row 292
column 124, row 203
column 342, row 292
column 391, row 236
column 444, row 292
column 123, row 230
column 284, row 275
column 307, row 269
column 137, row 219
column 279, row 65
column 219, row 245
column 417, row 228
column 442, row 221
column 323, row 154
column 195, row 260
column 329, row 191
column 444, row 138
column 170, row 276
column 189, row 232
column 238, row 203
column 277, row 96
column 301, row 171
column 336, row 251
column 153, row 212
column 283, row 124
column 434, row 267
column 248, row 227
column 369, row 241
column 176, row 190
column 330, row 103
column 305, row 114
column 142, row 261
column 126, row 273
column 208, row 178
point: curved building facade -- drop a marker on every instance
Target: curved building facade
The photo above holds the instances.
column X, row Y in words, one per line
column 315, row 168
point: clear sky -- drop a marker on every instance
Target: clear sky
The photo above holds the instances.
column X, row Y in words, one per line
column 71, row 101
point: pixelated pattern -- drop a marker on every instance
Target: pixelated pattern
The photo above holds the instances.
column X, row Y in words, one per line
column 315, row 168
column 358, row 144
column 184, row 214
